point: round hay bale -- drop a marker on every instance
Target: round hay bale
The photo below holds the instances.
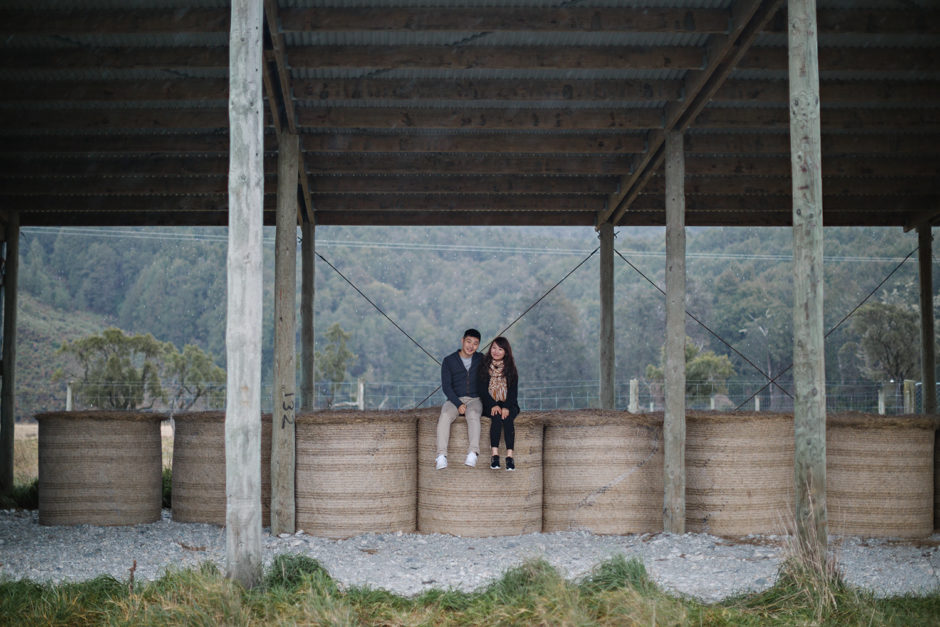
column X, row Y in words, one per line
column 478, row 501
column 356, row 472
column 879, row 475
column 199, row 468
column 99, row 468
column 603, row 472
column 739, row 472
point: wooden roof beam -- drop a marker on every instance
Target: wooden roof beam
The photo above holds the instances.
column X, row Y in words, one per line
column 277, row 83
column 479, row 118
column 498, row 57
column 461, row 184
column 724, row 52
column 496, row 142
column 497, row 19
column 530, row 90
column 927, row 217
column 457, row 218
column 909, row 19
column 438, row 163
column 459, row 202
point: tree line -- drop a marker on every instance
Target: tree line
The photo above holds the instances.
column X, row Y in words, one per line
column 436, row 281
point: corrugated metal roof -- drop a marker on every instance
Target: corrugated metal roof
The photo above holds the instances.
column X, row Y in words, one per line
column 95, row 101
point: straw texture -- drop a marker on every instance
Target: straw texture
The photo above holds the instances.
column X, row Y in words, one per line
column 879, row 475
column 356, row 472
column 99, row 468
column 199, row 468
column 603, row 472
column 479, row 502
column 739, row 472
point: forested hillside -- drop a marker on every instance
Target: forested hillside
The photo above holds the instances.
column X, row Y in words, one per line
column 434, row 282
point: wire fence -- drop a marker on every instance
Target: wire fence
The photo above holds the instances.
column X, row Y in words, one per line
column 889, row 398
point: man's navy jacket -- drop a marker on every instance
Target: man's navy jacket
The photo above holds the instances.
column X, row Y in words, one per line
column 457, row 381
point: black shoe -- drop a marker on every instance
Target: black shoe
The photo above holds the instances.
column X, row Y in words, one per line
column 510, row 465
column 494, row 463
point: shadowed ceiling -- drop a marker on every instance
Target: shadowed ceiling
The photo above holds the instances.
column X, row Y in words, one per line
column 500, row 112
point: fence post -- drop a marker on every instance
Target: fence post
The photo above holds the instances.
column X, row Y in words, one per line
column 634, row 406
column 361, row 394
column 908, row 396
column 68, row 396
column 757, row 403
column 881, row 401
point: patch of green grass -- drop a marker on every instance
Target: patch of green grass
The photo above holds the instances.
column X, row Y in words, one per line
column 22, row 496
column 167, row 488
column 297, row 590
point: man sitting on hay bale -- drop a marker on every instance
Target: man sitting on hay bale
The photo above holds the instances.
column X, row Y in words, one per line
column 459, row 378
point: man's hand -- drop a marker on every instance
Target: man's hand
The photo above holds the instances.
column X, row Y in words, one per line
column 462, row 409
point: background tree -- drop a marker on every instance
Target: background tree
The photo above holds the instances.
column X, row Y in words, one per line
column 889, row 342
column 706, row 373
column 333, row 361
column 116, row 371
column 195, row 376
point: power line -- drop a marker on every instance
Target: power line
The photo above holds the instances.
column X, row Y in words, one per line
column 519, row 317
column 705, row 326
column 377, row 308
column 415, row 246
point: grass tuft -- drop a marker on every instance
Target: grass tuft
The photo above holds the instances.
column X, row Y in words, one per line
column 22, row 496
column 167, row 487
column 292, row 572
column 617, row 573
column 297, row 590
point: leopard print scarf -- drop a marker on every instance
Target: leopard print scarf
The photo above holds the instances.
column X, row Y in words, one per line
column 497, row 388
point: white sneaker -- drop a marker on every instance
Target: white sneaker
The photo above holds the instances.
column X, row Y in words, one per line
column 471, row 459
column 441, row 462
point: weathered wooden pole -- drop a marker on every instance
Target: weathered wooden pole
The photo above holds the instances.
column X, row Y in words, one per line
column 8, row 371
column 809, row 372
column 307, row 249
column 607, row 316
column 928, row 356
column 243, row 324
column 674, row 419
column 283, row 452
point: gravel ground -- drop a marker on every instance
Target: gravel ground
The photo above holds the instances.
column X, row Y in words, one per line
column 697, row 565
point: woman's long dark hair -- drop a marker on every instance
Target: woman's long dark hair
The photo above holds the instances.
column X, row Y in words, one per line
column 509, row 364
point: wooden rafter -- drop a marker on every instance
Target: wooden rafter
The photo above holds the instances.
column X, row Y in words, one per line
column 724, row 52
column 280, row 97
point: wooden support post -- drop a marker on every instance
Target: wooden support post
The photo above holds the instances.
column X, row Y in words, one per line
column 674, row 419
column 307, row 290
column 607, row 316
column 283, row 451
column 927, row 342
column 243, row 324
column 809, row 372
column 8, row 370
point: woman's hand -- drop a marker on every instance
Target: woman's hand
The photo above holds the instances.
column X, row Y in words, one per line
column 505, row 413
column 495, row 411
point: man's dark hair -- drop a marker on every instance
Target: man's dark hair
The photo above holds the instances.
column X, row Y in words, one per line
column 472, row 333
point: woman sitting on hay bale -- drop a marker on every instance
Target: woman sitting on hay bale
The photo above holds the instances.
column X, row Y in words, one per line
column 500, row 392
